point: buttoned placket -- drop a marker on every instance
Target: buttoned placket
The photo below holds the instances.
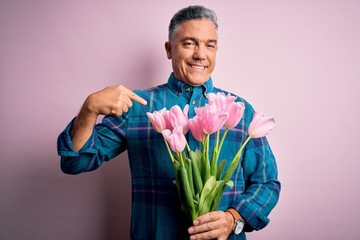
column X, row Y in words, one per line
column 196, row 99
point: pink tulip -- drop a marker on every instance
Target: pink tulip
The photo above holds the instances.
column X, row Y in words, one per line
column 236, row 112
column 211, row 120
column 221, row 100
column 260, row 125
column 226, row 103
column 178, row 118
column 196, row 129
column 176, row 139
column 159, row 119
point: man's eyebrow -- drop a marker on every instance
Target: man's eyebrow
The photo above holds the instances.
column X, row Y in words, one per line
column 188, row 38
column 197, row 40
column 212, row 41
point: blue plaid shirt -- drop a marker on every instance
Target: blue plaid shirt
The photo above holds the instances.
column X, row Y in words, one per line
column 156, row 210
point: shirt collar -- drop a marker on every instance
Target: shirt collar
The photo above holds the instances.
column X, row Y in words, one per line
column 178, row 87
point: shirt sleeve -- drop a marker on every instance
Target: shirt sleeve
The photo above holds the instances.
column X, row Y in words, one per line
column 262, row 187
column 105, row 142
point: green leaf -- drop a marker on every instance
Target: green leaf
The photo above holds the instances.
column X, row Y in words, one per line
column 189, row 171
column 196, row 157
column 213, row 164
column 196, row 162
column 196, row 200
column 229, row 172
column 205, row 202
column 176, row 167
column 230, row 184
column 188, row 195
column 220, row 169
column 217, row 194
column 205, row 168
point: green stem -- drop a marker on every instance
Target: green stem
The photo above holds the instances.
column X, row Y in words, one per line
column 205, row 159
column 203, row 152
column 234, row 163
column 217, row 139
column 207, row 146
column 169, row 150
column 181, row 159
column 222, row 139
column 188, row 147
column 215, row 155
column 243, row 146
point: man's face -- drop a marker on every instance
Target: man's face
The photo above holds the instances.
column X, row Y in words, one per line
column 192, row 51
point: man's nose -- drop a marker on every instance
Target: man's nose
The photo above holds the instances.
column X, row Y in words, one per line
column 200, row 52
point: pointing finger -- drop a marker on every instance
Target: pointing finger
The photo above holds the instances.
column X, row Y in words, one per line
column 138, row 99
column 134, row 96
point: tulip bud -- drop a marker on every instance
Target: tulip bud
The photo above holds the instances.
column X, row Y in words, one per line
column 176, row 139
column 260, row 125
column 159, row 119
column 236, row 112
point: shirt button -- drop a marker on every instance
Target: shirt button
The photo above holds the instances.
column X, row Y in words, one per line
column 193, row 102
column 187, row 89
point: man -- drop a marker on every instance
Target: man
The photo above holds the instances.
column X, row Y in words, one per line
column 156, row 214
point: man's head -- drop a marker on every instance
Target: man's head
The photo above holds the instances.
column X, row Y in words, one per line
column 192, row 44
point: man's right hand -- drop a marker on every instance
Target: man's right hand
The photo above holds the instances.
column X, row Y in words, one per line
column 113, row 100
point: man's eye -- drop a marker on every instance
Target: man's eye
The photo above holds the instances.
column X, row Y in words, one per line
column 211, row 46
column 188, row 43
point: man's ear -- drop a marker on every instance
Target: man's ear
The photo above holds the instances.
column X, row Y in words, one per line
column 168, row 49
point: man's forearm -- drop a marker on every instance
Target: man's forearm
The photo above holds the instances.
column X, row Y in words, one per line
column 82, row 128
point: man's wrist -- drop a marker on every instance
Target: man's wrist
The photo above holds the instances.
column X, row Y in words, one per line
column 238, row 222
column 230, row 220
column 235, row 214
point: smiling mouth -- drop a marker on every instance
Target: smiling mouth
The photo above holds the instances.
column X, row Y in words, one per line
column 198, row 67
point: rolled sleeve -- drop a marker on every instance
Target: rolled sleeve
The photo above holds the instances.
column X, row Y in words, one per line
column 73, row 162
column 105, row 142
column 65, row 145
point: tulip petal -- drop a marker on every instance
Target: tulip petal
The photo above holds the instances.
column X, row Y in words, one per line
column 236, row 112
column 196, row 129
column 178, row 118
column 159, row 119
column 176, row 139
column 261, row 125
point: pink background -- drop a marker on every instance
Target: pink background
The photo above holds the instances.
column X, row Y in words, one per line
column 295, row 60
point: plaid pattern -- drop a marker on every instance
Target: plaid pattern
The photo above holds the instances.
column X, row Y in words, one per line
column 155, row 205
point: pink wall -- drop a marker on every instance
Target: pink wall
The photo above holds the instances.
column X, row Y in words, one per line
column 296, row 60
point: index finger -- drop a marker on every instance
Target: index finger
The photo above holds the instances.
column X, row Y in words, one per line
column 207, row 217
column 134, row 96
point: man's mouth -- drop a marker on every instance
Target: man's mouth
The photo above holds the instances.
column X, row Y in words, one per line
column 199, row 67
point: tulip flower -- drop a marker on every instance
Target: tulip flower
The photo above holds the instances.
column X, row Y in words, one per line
column 159, row 119
column 226, row 103
column 178, row 118
column 260, row 125
column 196, row 129
column 211, row 120
column 221, row 100
column 236, row 112
column 176, row 139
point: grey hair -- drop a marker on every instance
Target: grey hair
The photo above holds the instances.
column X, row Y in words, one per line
column 190, row 13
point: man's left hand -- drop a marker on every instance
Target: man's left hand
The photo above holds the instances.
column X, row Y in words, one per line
column 212, row 225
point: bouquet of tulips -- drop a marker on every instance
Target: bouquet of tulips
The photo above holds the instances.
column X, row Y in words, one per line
column 199, row 177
